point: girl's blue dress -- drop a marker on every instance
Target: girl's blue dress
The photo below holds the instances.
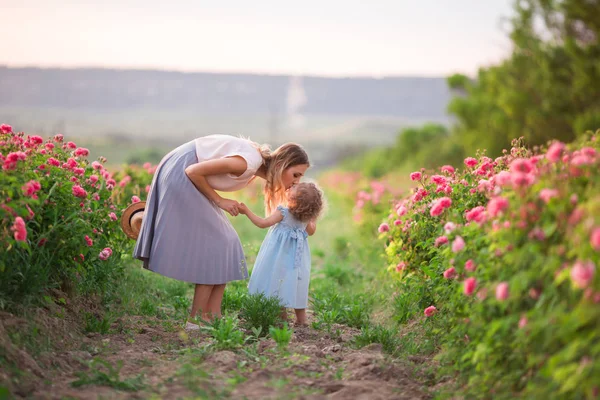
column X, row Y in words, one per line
column 282, row 267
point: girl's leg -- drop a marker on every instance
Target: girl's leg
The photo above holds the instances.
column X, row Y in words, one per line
column 214, row 301
column 301, row 316
column 201, row 301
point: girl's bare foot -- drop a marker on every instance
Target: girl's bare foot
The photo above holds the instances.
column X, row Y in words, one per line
column 301, row 319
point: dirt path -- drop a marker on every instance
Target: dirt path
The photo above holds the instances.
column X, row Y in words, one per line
column 164, row 362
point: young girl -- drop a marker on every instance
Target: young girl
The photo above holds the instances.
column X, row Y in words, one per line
column 282, row 267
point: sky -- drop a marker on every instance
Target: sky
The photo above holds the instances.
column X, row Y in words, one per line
column 310, row 37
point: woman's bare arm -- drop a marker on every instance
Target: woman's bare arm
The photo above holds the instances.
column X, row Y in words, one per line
column 198, row 172
column 271, row 220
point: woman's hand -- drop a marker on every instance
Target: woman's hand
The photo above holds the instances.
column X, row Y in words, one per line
column 231, row 206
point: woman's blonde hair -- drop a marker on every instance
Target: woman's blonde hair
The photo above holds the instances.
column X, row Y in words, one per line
column 307, row 203
column 275, row 163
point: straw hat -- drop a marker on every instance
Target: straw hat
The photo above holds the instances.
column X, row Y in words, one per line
column 131, row 219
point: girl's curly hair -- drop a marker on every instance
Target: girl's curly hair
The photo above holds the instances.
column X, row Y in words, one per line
column 307, row 203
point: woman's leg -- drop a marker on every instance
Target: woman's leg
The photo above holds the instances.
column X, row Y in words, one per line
column 214, row 301
column 301, row 316
column 201, row 301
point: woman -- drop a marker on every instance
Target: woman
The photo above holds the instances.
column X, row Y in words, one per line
column 185, row 234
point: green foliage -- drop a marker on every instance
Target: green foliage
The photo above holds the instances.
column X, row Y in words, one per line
column 378, row 334
column 97, row 324
column 548, row 87
column 260, row 311
column 330, row 307
column 68, row 239
column 103, row 373
column 281, row 336
column 528, row 326
column 225, row 332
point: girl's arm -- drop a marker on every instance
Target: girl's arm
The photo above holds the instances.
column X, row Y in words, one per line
column 197, row 174
column 271, row 220
column 311, row 228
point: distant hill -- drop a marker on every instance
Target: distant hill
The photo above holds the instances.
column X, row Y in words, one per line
column 105, row 89
column 117, row 113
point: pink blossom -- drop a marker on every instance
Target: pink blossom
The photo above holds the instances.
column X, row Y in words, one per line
column 78, row 171
column 88, row 241
column 147, row 188
column 502, row 178
column 146, row 165
column 470, row 162
column 520, row 179
column 135, row 199
column 582, row 273
column 82, row 152
column 521, row 165
column 496, row 206
column 595, row 238
column 5, row 128
column 58, row 138
column 383, row 228
column 19, row 229
column 449, row 227
column 448, row 169
column 30, row 188
column 555, row 152
column 112, row 216
column 401, row 211
column 476, row 214
column 502, row 291
column 429, row 311
column 397, row 222
column 401, row 266
column 470, row 285
column 96, row 165
column 547, row 194
column 436, row 210
column 78, row 191
column 105, row 254
column 538, row 234
column 440, row 241
column 53, row 161
column 420, row 194
column 458, row 244
column 534, row 293
column 450, row 273
column 96, row 196
column 523, row 322
column 470, row 266
column 438, row 179
column 415, row 176
column 71, row 145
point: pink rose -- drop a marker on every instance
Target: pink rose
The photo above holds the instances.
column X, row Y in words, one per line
column 523, row 322
column 383, row 228
column 582, row 273
column 450, row 273
column 502, row 291
column 547, row 194
column 429, row 311
column 496, row 206
column 19, row 229
column 470, row 265
column 469, row 286
column 555, row 152
column 458, row 244
column 470, row 162
column 595, row 239
column 416, row 176
column 440, row 241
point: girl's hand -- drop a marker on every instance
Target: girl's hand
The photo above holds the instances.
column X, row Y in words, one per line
column 231, row 206
column 243, row 209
